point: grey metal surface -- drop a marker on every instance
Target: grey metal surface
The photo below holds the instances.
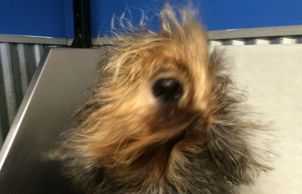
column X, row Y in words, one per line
column 17, row 65
column 8, row 100
column 271, row 75
column 11, row 38
column 256, row 32
column 56, row 90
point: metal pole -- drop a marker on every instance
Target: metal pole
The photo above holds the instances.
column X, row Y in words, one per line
column 81, row 19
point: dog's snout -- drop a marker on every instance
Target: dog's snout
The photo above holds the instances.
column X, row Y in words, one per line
column 167, row 90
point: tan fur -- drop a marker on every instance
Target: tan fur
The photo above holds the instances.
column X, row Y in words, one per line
column 131, row 137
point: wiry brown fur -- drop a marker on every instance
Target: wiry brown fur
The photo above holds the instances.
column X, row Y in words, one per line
column 125, row 141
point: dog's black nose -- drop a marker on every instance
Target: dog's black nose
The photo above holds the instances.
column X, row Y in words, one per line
column 167, row 90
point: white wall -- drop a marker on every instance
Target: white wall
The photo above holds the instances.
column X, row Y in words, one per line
column 272, row 75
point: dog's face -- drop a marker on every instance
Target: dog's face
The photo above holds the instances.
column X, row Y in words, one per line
column 154, row 99
column 163, row 116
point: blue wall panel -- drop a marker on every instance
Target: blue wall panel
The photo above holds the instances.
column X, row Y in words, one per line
column 215, row 14
column 233, row 14
column 36, row 17
column 54, row 17
column 103, row 11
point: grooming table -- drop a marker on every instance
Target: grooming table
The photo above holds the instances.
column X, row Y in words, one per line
column 56, row 90
column 272, row 75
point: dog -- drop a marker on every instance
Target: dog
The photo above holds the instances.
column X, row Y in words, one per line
column 164, row 117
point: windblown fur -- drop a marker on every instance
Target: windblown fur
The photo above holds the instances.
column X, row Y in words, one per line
column 125, row 141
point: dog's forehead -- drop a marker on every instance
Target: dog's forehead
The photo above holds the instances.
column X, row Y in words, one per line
column 182, row 49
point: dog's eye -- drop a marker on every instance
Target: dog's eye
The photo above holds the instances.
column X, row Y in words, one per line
column 167, row 90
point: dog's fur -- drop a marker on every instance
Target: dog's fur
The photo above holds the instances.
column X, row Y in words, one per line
column 126, row 141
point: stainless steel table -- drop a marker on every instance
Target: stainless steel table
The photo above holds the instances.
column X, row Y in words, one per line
column 56, row 90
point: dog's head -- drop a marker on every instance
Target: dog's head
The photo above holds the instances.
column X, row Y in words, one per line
column 164, row 108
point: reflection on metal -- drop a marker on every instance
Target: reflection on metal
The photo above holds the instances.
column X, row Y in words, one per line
column 17, row 65
column 46, row 108
column 258, row 41
column 8, row 81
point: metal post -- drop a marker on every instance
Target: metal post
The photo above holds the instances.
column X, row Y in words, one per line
column 81, row 19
